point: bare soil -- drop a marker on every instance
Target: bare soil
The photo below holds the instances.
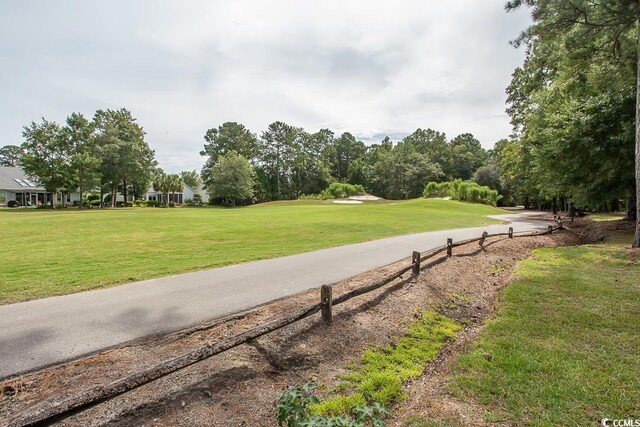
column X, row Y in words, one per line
column 240, row 387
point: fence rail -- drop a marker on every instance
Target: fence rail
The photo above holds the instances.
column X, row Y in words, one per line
column 46, row 413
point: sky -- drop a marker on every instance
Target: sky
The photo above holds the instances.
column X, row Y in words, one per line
column 372, row 68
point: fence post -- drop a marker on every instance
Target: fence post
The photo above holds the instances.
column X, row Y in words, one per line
column 415, row 260
column 550, row 229
column 327, row 303
column 511, row 232
column 484, row 236
column 449, row 246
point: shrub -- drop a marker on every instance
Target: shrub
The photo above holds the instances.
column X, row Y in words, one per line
column 309, row 197
column 294, row 411
column 340, row 190
column 463, row 191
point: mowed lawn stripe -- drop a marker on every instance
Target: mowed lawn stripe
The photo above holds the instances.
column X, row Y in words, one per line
column 53, row 253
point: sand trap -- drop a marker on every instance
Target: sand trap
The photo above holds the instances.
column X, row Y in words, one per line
column 348, row 202
column 441, row 198
column 364, row 197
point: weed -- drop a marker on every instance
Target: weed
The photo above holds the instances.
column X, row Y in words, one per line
column 381, row 372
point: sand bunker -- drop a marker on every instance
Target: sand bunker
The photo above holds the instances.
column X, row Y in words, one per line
column 348, row 202
column 364, row 197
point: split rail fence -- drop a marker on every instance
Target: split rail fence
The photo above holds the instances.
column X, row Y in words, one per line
column 48, row 413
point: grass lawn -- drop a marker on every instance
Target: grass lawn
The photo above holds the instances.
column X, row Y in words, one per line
column 52, row 253
column 565, row 345
column 606, row 217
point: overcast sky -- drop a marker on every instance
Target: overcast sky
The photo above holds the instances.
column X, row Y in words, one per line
column 372, row 68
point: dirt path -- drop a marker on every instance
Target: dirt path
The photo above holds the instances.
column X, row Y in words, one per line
column 240, row 387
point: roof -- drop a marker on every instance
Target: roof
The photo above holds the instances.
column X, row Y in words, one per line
column 15, row 179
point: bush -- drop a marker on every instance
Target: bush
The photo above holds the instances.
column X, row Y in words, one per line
column 294, row 411
column 463, row 191
column 309, row 197
column 340, row 190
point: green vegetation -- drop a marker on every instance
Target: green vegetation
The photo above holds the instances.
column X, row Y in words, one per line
column 379, row 376
column 53, row 253
column 573, row 107
column 294, row 410
column 463, row 191
column 290, row 161
column 605, row 217
column 231, row 179
column 565, row 348
column 339, row 190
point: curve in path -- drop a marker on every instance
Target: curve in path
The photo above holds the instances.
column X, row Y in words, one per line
column 35, row 334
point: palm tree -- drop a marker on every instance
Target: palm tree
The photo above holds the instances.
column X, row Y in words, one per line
column 162, row 183
column 175, row 185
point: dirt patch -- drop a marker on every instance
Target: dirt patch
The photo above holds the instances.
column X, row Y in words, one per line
column 240, row 387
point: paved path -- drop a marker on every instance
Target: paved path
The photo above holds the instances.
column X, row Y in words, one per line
column 39, row 333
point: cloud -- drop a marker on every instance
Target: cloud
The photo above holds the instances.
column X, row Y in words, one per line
column 370, row 68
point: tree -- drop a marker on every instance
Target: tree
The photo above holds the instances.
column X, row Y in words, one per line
column 44, row 155
column 191, row 178
column 345, row 150
column 278, row 146
column 79, row 145
column 124, row 154
column 489, row 176
column 434, row 145
column 10, row 155
column 176, row 185
column 162, row 183
column 568, row 36
column 466, row 156
column 229, row 136
column 231, row 179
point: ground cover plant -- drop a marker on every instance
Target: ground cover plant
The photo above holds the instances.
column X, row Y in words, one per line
column 564, row 348
column 378, row 377
column 53, row 253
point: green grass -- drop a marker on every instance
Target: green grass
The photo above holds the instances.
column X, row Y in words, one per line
column 607, row 217
column 565, row 343
column 382, row 371
column 52, row 253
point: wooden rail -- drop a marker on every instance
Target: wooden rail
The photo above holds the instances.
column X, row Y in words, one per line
column 46, row 413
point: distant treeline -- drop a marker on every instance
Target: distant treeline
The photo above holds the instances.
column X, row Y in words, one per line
column 108, row 154
column 290, row 162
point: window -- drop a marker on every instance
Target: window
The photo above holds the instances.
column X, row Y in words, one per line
column 3, row 198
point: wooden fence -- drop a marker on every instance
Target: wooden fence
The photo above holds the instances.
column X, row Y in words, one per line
column 47, row 413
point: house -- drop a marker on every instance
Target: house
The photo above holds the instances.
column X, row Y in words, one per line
column 16, row 185
column 187, row 194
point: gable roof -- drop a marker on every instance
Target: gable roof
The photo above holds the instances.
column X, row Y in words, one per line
column 15, row 179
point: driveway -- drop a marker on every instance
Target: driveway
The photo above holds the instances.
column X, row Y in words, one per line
column 43, row 332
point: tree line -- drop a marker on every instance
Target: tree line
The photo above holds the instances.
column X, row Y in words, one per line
column 107, row 154
column 287, row 162
column 573, row 104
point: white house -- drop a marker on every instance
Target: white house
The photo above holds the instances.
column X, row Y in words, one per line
column 16, row 185
column 186, row 194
